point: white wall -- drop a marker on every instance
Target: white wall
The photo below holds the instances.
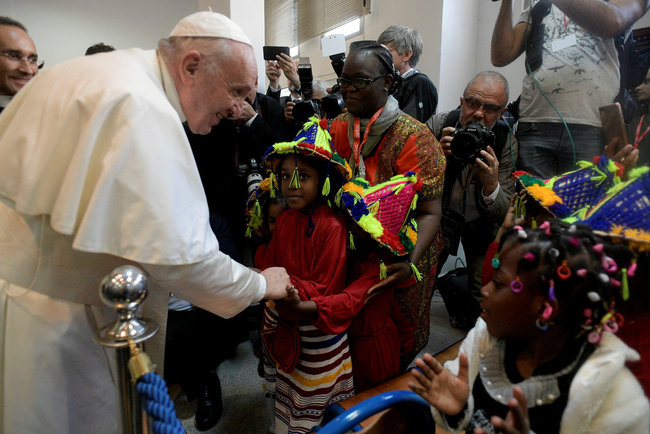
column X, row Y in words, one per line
column 458, row 54
column 456, row 33
column 249, row 14
column 423, row 15
column 62, row 29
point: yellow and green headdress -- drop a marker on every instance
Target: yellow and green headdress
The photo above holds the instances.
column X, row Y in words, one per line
column 313, row 140
column 385, row 212
column 565, row 194
column 254, row 205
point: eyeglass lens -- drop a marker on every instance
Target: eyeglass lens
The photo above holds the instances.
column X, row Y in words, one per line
column 18, row 57
column 475, row 104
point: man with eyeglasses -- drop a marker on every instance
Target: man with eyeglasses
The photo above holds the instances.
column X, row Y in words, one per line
column 18, row 59
column 477, row 193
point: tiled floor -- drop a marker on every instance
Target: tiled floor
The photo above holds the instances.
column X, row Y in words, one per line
column 243, row 397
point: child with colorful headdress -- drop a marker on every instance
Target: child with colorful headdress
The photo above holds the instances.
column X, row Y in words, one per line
column 543, row 356
column 382, row 231
column 302, row 334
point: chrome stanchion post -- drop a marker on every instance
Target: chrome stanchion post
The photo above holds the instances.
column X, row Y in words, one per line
column 124, row 289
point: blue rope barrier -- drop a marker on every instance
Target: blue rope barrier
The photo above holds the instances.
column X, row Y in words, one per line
column 157, row 403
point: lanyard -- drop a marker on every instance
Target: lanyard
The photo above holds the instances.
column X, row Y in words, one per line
column 358, row 144
column 638, row 137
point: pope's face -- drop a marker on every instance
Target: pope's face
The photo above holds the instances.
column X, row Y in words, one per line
column 219, row 93
column 14, row 73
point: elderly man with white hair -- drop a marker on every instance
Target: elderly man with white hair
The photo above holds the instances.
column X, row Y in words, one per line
column 96, row 172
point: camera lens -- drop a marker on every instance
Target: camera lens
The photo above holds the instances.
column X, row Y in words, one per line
column 468, row 142
column 253, row 181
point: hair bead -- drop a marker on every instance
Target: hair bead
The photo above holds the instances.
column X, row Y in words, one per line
column 516, row 286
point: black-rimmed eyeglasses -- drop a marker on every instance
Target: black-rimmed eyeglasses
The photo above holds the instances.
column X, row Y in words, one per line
column 357, row 83
column 17, row 56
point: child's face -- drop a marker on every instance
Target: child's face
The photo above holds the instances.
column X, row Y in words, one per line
column 301, row 198
column 506, row 313
column 275, row 209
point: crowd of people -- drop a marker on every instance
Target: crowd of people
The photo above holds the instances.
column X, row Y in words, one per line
column 322, row 237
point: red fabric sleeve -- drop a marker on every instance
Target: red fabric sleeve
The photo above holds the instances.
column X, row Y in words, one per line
column 335, row 312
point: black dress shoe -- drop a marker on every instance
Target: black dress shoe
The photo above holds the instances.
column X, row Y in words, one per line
column 210, row 405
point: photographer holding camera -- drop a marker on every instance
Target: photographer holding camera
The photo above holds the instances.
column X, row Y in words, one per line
column 480, row 150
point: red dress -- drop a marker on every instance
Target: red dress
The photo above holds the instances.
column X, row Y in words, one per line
column 406, row 146
column 312, row 357
column 379, row 333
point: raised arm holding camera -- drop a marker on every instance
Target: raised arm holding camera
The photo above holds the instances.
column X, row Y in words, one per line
column 480, row 152
column 283, row 63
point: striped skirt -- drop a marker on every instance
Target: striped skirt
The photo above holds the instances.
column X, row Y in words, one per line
column 323, row 376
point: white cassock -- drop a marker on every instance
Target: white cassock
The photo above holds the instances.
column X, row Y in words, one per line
column 96, row 172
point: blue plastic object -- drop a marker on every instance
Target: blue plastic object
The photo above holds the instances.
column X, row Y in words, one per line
column 363, row 410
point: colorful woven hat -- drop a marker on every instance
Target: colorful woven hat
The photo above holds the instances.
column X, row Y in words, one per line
column 624, row 212
column 313, row 140
column 384, row 212
column 569, row 192
column 254, row 205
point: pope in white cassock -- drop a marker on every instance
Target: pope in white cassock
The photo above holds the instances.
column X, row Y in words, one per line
column 96, row 172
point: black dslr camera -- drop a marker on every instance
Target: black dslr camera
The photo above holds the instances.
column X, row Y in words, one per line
column 468, row 142
column 305, row 107
column 330, row 106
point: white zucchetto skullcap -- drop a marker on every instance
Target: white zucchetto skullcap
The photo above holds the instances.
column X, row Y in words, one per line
column 211, row 25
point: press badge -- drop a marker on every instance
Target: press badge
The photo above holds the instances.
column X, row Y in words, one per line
column 566, row 42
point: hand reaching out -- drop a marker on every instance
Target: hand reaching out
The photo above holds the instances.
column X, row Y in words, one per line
column 511, row 219
column 396, row 274
column 627, row 155
column 439, row 387
column 293, row 308
column 516, row 422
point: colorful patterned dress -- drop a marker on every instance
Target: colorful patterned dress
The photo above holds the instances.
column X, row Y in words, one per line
column 406, row 146
column 314, row 368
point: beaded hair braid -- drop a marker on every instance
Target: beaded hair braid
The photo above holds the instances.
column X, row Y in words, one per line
column 571, row 264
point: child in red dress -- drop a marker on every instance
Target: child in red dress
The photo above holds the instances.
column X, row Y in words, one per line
column 303, row 334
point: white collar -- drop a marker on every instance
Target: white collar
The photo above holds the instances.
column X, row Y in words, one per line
column 409, row 72
column 169, row 87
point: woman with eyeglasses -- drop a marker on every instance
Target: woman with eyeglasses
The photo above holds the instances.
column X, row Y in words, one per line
column 380, row 141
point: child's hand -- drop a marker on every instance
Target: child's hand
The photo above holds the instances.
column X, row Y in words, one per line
column 517, row 419
column 293, row 308
column 396, row 274
column 511, row 218
column 288, row 307
column 442, row 389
